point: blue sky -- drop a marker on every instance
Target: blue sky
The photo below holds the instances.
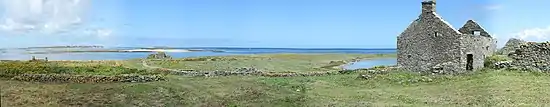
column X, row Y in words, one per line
column 252, row 23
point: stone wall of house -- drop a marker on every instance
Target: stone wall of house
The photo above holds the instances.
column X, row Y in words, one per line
column 430, row 44
column 480, row 47
column 427, row 42
column 532, row 56
column 470, row 26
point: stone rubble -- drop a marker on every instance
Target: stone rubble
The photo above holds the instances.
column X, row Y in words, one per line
column 503, row 64
column 371, row 72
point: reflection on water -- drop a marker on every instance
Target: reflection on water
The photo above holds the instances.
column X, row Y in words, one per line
column 371, row 63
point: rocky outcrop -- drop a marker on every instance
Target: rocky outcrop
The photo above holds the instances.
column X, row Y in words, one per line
column 511, row 46
column 64, row 78
column 532, row 56
column 159, row 55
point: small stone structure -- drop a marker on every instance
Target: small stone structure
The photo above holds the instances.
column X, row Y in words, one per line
column 532, row 56
column 34, row 59
column 159, row 55
column 511, row 46
column 430, row 44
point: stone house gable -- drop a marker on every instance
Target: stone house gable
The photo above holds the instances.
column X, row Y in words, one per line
column 431, row 44
column 470, row 27
column 430, row 21
column 420, row 47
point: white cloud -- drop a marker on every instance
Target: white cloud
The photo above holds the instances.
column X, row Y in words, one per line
column 43, row 16
column 99, row 32
column 534, row 34
column 494, row 7
column 102, row 33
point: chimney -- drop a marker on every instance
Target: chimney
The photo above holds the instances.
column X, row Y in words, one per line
column 428, row 6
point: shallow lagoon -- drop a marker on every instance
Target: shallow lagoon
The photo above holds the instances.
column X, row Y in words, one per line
column 371, row 63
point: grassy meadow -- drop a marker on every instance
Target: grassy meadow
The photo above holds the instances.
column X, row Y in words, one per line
column 486, row 87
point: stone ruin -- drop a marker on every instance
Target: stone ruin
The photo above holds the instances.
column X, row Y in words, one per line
column 531, row 56
column 34, row 59
column 159, row 55
column 511, row 46
column 431, row 45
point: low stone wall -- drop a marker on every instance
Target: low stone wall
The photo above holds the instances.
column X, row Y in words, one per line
column 233, row 73
column 65, row 78
column 532, row 56
column 298, row 74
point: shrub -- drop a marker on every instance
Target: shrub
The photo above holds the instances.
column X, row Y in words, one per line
column 63, row 78
column 10, row 69
column 379, row 67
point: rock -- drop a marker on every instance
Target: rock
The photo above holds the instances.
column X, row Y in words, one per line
column 345, row 71
column 503, row 64
column 365, row 76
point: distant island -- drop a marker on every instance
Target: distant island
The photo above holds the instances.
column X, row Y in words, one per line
column 65, row 47
column 95, row 48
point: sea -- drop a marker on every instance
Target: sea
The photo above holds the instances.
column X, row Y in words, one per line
column 20, row 55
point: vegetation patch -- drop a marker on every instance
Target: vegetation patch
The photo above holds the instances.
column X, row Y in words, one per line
column 64, row 78
column 57, row 72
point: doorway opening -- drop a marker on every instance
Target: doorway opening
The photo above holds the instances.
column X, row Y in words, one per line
column 469, row 62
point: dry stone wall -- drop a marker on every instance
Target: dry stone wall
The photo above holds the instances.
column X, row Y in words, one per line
column 65, row 78
column 532, row 56
column 248, row 72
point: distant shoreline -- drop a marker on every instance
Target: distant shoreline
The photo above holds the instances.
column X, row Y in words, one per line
column 126, row 51
column 46, row 47
column 195, row 48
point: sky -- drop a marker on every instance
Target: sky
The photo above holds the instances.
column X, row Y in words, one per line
column 252, row 23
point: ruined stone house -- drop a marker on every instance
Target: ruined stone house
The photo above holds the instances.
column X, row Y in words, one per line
column 430, row 44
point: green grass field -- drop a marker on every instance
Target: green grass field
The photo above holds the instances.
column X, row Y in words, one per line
column 483, row 88
column 487, row 88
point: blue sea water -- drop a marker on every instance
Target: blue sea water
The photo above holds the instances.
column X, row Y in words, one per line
column 226, row 51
